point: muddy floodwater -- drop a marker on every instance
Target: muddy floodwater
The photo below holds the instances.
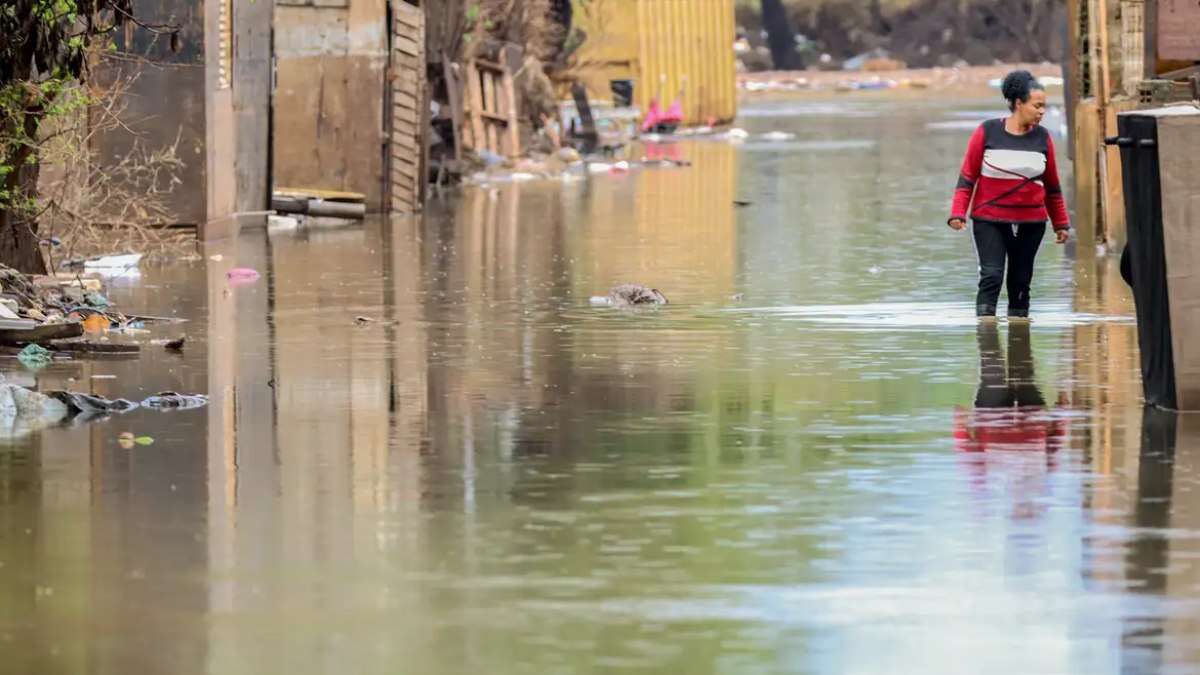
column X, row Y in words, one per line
column 813, row 460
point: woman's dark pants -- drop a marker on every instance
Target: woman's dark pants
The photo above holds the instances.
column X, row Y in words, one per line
column 1018, row 245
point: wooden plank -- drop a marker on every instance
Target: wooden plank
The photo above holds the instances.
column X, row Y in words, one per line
column 402, row 177
column 404, row 99
column 474, row 106
column 407, row 136
column 403, row 142
column 404, row 127
column 406, row 46
column 1086, row 172
column 494, row 117
column 454, row 92
column 41, row 333
column 1105, row 92
column 513, row 144
column 1073, row 87
column 489, row 65
column 489, row 106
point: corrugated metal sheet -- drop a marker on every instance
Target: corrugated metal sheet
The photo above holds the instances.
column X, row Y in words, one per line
column 668, row 48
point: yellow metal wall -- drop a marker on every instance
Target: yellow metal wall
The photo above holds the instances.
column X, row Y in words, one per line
column 665, row 46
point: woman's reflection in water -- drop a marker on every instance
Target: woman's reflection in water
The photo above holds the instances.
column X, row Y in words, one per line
column 1010, row 412
column 1009, row 439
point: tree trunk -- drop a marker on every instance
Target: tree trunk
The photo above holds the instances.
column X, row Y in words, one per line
column 781, row 39
column 19, row 247
column 18, row 229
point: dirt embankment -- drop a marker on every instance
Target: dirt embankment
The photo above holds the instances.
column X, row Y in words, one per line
column 921, row 33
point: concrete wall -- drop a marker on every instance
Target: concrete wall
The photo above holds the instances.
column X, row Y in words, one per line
column 329, row 96
column 252, row 102
column 220, row 127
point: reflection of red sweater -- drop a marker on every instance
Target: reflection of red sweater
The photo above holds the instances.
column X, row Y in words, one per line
column 1029, row 429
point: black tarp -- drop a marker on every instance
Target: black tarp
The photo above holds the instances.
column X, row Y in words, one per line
column 1138, row 140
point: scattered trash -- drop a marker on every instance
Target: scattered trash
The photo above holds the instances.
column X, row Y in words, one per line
column 242, row 275
column 778, row 136
column 875, row 269
column 171, row 400
column 737, row 134
column 368, row 321
column 23, row 411
column 34, row 356
column 216, row 258
column 96, row 323
column 175, row 345
column 737, row 297
column 282, row 222
column 90, row 405
column 7, row 313
column 111, row 262
column 127, row 440
column 620, row 167
column 97, row 300
column 628, row 295
column 489, row 158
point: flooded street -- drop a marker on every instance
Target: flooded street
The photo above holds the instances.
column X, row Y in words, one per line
column 809, row 462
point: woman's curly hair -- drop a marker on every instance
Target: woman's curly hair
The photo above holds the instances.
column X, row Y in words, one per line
column 1017, row 86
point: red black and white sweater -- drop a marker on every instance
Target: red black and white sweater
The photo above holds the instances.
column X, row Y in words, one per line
column 1013, row 178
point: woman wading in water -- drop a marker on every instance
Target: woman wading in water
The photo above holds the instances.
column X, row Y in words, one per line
column 1009, row 181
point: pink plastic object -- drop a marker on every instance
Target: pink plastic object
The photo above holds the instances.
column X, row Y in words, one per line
column 674, row 113
column 653, row 116
column 242, row 275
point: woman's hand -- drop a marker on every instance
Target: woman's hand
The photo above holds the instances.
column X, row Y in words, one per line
column 1061, row 236
column 957, row 224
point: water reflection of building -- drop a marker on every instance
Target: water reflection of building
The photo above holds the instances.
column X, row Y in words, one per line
column 1160, row 569
column 1105, row 372
column 672, row 229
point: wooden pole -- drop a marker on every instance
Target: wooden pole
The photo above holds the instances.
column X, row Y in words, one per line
column 1150, row 25
column 1073, row 89
column 1105, row 91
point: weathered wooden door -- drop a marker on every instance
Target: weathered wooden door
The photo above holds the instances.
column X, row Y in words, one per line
column 409, row 108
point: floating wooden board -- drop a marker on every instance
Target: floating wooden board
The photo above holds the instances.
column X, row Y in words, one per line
column 41, row 333
column 315, row 193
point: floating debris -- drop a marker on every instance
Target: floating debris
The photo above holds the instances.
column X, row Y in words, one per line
column 34, row 356
column 89, row 404
column 242, row 275
column 175, row 345
column 628, row 295
column 171, row 400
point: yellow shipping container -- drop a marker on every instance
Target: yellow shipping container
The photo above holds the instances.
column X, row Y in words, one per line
column 667, row 48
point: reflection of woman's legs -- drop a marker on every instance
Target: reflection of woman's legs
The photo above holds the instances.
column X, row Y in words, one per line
column 993, row 386
column 1021, row 381
column 1022, row 250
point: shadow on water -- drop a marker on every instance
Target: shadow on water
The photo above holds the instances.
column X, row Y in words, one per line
column 489, row 475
